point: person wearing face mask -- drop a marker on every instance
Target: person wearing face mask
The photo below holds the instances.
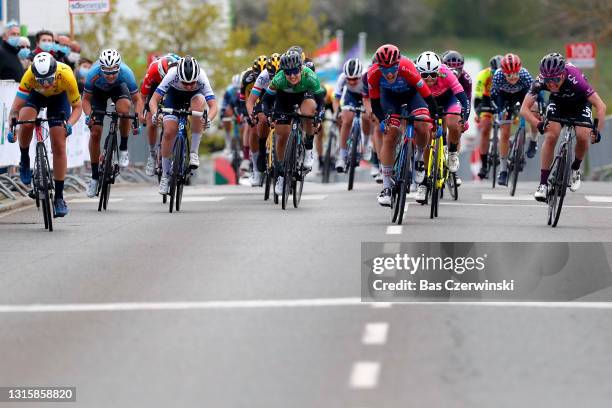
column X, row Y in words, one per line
column 81, row 71
column 74, row 56
column 62, row 50
column 44, row 43
column 10, row 65
column 24, row 52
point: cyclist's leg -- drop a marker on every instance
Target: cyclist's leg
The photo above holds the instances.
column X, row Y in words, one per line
column 99, row 101
column 198, row 103
column 58, row 106
column 308, row 107
column 25, row 132
column 551, row 135
column 174, row 99
column 391, row 105
column 123, row 104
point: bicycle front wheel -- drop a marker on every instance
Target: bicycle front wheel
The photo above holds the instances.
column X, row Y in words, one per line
column 352, row 162
column 43, row 181
column 176, row 171
column 290, row 159
column 406, row 181
column 517, row 155
column 435, row 191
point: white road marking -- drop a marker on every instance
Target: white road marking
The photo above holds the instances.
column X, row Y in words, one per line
column 394, row 230
column 375, row 333
column 543, row 206
column 381, row 305
column 599, row 199
column 93, row 200
column 281, row 303
column 314, row 197
column 506, row 197
column 365, row 375
column 196, row 199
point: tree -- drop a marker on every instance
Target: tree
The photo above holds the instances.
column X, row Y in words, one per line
column 96, row 31
column 288, row 23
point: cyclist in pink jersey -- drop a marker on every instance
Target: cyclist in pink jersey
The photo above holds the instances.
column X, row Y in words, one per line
column 449, row 96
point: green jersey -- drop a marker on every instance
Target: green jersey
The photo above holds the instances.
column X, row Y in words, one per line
column 309, row 83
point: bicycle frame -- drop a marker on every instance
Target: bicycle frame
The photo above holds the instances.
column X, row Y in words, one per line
column 437, row 144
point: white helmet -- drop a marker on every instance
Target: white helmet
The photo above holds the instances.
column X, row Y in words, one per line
column 110, row 58
column 353, row 68
column 236, row 80
column 188, row 69
column 44, row 65
column 428, row 62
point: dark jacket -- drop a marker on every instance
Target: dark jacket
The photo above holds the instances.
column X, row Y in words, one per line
column 10, row 66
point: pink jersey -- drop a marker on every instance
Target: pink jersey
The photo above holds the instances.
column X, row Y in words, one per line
column 446, row 80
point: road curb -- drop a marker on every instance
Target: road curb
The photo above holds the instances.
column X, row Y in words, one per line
column 12, row 205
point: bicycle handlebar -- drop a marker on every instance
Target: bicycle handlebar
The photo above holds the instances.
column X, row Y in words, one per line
column 574, row 123
column 184, row 112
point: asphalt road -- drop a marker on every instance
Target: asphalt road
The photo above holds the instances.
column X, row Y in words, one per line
column 235, row 303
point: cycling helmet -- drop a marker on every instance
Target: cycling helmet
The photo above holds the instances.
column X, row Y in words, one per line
column 290, row 60
column 165, row 63
column 511, row 64
column 453, row 59
column 353, row 68
column 260, row 63
column 188, row 69
column 236, row 80
column 299, row 50
column 495, row 62
column 110, row 58
column 428, row 62
column 173, row 56
column 552, row 65
column 273, row 63
column 310, row 64
column 44, row 66
column 387, row 55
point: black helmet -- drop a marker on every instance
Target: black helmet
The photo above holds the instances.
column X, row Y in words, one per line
column 495, row 62
column 188, row 69
column 552, row 65
column 44, row 66
column 290, row 60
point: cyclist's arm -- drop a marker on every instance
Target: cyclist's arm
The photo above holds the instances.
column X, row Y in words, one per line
column 526, row 112
column 87, row 103
column 154, row 103
column 138, row 101
column 212, row 109
column 18, row 103
column 250, row 103
column 600, row 106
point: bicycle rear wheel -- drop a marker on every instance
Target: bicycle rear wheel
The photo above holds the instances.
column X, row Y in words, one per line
column 494, row 157
column 451, row 182
column 406, row 181
column 328, row 156
column 269, row 168
column 517, row 159
column 107, row 168
column 44, row 184
column 298, row 184
column 290, row 159
column 177, row 159
column 352, row 159
column 435, row 191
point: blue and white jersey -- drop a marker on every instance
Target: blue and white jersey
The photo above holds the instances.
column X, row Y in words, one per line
column 342, row 84
column 95, row 79
column 501, row 84
column 171, row 80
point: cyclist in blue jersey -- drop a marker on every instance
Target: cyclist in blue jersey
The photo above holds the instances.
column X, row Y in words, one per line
column 109, row 78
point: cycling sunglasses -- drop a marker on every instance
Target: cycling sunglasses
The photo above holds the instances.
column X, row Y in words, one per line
column 512, row 76
column 389, row 70
column 293, row 71
column 556, row 80
column 46, row 81
column 110, row 73
column 432, row 75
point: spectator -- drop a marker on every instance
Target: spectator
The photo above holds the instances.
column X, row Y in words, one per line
column 81, row 72
column 44, row 43
column 75, row 54
column 63, row 50
column 24, row 52
column 10, row 66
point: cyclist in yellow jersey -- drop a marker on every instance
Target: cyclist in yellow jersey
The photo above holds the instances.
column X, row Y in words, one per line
column 482, row 99
column 52, row 85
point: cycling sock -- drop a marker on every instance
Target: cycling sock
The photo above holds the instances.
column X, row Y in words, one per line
column 166, row 165
column 59, row 189
column 576, row 164
column 544, row 176
column 343, row 153
column 504, row 164
column 95, row 171
column 152, row 150
column 484, row 158
column 195, row 142
column 254, row 158
column 246, row 152
column 25, row 157
column 123, row 144
column 387, row 172
column 309, row 142
column 452, row 147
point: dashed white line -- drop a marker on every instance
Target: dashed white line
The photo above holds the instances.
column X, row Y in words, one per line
column 93, row 200
column 505, row 197
column 394, row 230
column 599, row 199
column 192, row 199
column 314, row 197
column 364, row 375
column 375, row 333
